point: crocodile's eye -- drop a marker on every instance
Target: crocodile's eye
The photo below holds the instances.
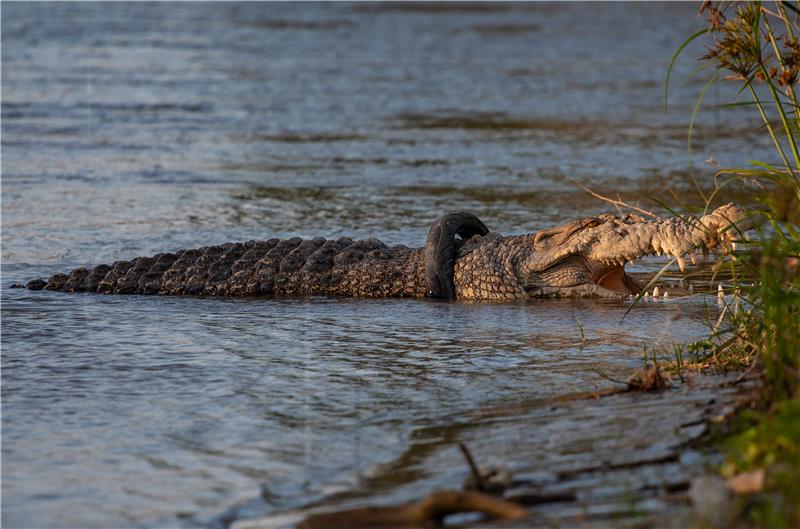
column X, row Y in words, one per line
column 592, row 223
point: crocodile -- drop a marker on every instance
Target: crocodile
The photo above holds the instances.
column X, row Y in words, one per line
column 462, row 259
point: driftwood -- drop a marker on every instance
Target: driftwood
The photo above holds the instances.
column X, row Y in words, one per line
column 427, row 512
column 430, row 511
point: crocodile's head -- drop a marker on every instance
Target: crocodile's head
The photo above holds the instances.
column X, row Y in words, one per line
column 587, row 257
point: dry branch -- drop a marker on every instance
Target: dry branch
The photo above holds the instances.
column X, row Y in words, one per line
column 427, row 512
column 476, row 474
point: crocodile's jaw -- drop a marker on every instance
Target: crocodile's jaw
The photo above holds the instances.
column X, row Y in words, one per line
column 577, row 276
column 588, row 257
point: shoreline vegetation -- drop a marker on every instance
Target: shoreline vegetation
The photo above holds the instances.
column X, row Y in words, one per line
column 756, row 46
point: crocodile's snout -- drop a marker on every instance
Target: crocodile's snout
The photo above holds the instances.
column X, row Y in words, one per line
column 588, row 257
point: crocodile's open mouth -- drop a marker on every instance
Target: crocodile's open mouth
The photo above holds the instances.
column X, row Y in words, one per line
column 578, row 276
column 618, row 281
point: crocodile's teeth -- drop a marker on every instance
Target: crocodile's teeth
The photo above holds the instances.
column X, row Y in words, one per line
column 725, row 244
column 733, row 246
column 693, row 258
column 656, row 292
column 666, row 295
column 681, row 263
column 681, row 284
column 720, row 292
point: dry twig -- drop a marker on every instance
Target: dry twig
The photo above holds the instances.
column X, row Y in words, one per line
column 476, row 474
column 617, row 203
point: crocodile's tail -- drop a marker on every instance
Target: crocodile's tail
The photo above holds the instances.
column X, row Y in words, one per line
column 257, row 268
column 286, row 267
column 241, row 269
column 143, row 275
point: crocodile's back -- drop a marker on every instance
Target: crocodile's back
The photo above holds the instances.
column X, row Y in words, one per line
column 291, row 267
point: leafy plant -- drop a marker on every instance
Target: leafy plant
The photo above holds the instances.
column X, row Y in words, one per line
column 757, row 47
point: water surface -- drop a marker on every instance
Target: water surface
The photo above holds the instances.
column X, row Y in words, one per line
column 134, row 128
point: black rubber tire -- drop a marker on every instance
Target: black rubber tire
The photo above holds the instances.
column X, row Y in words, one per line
column 440, row 251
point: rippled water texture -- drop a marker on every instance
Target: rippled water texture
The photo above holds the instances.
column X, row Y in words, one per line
column 134, row 128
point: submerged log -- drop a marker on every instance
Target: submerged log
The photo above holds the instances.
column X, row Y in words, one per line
column 427, row 512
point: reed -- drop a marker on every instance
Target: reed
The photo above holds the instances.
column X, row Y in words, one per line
column 756, row 46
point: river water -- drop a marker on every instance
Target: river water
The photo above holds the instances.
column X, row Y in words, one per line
column 134, row 128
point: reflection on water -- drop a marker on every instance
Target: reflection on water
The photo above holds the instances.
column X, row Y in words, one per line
column 129, row 129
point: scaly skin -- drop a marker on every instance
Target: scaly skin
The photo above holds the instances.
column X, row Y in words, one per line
column 292, row 267
column 583, row 258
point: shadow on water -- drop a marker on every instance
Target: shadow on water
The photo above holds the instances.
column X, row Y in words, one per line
column 432, row 8
column 503, row 30
column 302, row 25
column 584, row 130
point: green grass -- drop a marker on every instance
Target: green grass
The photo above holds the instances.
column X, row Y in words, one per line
column 770, row 442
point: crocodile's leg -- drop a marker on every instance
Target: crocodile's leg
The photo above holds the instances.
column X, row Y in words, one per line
column 440, row 251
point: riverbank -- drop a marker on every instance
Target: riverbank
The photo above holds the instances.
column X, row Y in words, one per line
column 645, row 480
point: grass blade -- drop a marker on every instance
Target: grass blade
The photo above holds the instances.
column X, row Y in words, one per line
column 711, row 81
column 675, row 58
